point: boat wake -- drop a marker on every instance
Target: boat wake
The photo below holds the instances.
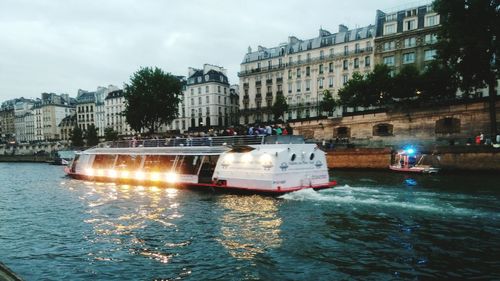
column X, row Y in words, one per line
column 391, row 199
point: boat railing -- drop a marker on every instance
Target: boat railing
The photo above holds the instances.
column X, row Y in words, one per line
column 183, row 142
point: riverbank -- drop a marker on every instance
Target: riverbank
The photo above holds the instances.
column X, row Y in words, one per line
column 26, row 158
column 448, row 158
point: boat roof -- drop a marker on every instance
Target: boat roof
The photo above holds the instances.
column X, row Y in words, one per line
column 178, row 150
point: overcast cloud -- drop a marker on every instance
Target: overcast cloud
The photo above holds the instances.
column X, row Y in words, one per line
column 62, row 45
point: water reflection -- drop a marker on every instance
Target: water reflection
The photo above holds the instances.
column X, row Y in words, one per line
column 120, row 214
column 250, row 225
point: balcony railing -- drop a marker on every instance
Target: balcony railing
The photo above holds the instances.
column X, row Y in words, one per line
column 366, row 50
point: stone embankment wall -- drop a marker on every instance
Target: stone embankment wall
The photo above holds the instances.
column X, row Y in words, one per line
column 414, row 126
column 26, row 158
column 473, row 158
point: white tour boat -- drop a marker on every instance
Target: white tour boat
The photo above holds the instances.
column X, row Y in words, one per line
column 257, row 164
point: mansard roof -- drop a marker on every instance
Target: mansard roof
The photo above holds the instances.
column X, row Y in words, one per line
column 324, row 39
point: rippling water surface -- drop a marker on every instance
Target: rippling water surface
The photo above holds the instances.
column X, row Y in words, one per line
column 374, row 226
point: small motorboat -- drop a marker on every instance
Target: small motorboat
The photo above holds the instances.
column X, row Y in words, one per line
column 408, row 160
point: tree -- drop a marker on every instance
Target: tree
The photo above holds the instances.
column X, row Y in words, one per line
column 407, row 85
column 279, row 107
column 438, row 83
column 468, row 43
column 77, row 137
column 353, row 92
column 328, row 103
column 381, row 85
column 91, row 135
column 152, row 99
column 110, row 134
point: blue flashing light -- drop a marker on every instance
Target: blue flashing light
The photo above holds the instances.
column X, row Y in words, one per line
column 410, row 150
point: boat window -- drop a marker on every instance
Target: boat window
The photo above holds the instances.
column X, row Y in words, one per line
column 311, row 157
column 160, row 163
column 293, row 157
column 103, row 161
column 75, row 162
column 128, row 162
column 189, row 164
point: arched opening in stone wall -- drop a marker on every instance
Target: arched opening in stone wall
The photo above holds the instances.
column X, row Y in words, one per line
column 342, row 132
column 448, row 125
column 383, row 130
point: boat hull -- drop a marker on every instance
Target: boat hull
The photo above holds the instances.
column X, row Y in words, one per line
column 415, row 169
column 210, row 187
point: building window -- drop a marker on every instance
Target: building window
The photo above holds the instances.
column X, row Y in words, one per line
column 409, row 58
column 356, row 63
column 298, row 72
column 388, row 46
column 382, row 130
column 410, row 24
column 299, row 58
column 289, row 87
column 431, row 20
column 389, row 28
column 320, row 82
column 356, row 48
column 346, row 50
column 330, row 67
column 289, row 74
column 208, row 99
column 430, row 38
column 330, row 82
column 448, row 125
column 345, row 64
column 367, row 61
column 206, row 89
column 308, row 85
column 321, row 69
column 391, row 17
column 321, row 55
column 389, row 61
column 345, row 78
column 429, row 54
column 299, row 86
column 308, row 71
column 409, row 42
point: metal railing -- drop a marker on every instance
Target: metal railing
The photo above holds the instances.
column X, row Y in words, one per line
column 185, row 141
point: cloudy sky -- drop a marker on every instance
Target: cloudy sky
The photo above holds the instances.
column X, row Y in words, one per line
column 64, row 45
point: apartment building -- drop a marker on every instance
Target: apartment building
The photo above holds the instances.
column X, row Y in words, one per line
column 114, row 105
column 406, row 37
column 207, row 98
column 302, row 70
column 48, row 113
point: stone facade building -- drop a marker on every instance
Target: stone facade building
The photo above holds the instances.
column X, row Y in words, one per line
column 302, row 70
column 114, row 105
column 66, row 127
column 207, row 98
column 406, row 37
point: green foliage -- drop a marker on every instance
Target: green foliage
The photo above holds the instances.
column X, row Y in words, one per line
column 352, row 94
column 328, row 103
column 152, row 99
column 279, row 107
column 91, row 137
column 380, row 86
column 468, row 42
column 438, row 83
column 110, row 134
column 77, row 137
column 407, row 84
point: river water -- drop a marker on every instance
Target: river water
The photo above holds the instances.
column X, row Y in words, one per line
column 373, row 226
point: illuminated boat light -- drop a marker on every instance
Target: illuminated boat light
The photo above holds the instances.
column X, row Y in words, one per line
column 89, row 172
column 139, row 175
column 171, row 177
column 100, row 172
column 155, row 176
column 246, row 158
column 124, row 174
column 112, row 173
